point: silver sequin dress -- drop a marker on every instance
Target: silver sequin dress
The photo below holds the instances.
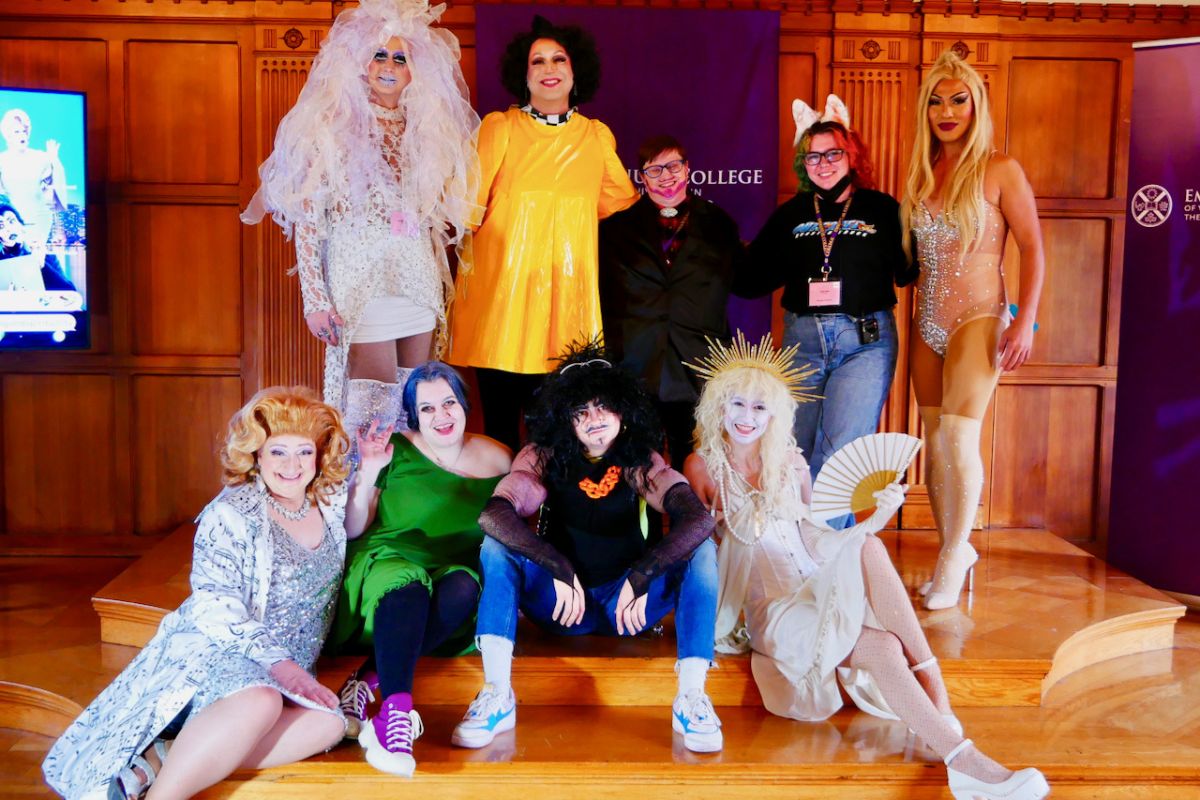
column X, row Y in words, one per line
column 300, row 606
column 954, row 289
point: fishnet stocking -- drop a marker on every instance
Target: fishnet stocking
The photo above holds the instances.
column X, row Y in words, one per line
column 889, row 600
column 881, row 654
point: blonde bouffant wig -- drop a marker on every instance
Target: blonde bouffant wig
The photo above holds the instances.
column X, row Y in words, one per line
column 962, row 196
column 284, row 411
column 776, row 444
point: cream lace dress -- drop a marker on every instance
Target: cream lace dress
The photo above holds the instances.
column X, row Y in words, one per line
column 802, row 596
column 361, row 254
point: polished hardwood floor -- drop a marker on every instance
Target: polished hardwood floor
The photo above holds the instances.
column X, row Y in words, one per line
column 1056, row 660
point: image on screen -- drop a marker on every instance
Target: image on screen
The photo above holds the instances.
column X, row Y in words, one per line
column 43, row 227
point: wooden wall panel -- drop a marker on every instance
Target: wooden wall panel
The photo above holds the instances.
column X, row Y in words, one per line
column 183, row 112
column 290, row 355
column 79, row 65
column 59, row 457
column 187, row 279
column 1066, row 137
column 797, row 80
column 879, row 102
column 180, row 426
column 1072, row 316
column 1046, row 470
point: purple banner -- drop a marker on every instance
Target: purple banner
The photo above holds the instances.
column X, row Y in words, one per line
column 709, row 78
column 1156, row 455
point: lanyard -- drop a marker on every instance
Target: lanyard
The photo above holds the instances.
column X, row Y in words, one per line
column 827, row 239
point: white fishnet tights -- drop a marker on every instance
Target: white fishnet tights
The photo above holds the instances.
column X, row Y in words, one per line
column 920, row 698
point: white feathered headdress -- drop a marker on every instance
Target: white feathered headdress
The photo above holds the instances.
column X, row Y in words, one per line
column 805, row 116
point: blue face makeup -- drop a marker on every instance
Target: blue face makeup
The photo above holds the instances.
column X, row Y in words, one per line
column 398, row 58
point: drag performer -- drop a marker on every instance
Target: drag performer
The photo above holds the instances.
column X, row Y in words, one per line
column 667, row 266
column 412, row 566
column 34, row 181
column 962, row 199
column 819, row 604
column 591, row 467
column 548, row 175
column 835, row 248
column 229, row 676
column 374, row 173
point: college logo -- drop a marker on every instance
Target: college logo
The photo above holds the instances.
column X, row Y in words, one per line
column 1151, row 206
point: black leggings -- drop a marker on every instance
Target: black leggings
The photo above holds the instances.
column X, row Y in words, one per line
column 410, row 623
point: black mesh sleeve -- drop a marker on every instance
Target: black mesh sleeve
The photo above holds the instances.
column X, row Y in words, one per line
column 691, row 524
column 500, row 521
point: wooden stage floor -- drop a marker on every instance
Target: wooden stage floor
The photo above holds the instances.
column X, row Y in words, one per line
column 1056, row 660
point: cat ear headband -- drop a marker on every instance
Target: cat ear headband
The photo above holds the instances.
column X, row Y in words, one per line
column 805, row 116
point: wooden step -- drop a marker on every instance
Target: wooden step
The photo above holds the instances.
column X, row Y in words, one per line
column 1042, row 609
column 621, row 753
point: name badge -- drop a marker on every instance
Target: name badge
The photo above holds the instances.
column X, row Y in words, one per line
column 404, row 224
column 825, row 293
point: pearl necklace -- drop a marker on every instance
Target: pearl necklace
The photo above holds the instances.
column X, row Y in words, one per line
column 287, row 513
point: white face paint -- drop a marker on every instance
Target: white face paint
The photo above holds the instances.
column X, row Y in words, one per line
column 746, row 418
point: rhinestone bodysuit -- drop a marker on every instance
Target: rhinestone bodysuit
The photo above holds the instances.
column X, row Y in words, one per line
column 954, row 289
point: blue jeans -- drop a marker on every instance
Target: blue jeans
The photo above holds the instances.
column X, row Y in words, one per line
column 853, row 378
column 690, row 588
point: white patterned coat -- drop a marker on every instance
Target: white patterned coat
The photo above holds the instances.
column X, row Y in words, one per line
column 231, row 576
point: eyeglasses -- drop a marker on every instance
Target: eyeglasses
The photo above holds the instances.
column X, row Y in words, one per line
column 830, row 156
column 656, row 170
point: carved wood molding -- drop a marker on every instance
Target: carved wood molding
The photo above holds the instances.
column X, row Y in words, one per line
column 327, row 9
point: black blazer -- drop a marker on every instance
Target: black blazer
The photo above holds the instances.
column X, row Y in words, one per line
column 656, row 317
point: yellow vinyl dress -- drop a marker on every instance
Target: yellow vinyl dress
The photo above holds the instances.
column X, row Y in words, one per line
column 532, row 286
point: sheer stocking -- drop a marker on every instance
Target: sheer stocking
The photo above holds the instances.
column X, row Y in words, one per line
column 889, row 601
column 881, row 654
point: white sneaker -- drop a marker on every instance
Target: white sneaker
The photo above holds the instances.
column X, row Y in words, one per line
column 490, row 713
column 353, row 699
column 693, row 716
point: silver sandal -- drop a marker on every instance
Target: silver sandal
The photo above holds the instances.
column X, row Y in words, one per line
column 128, row 784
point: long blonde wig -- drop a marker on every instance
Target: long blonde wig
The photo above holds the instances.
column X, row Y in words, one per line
column 283, row 411
column 776, row 444
column 962, row 196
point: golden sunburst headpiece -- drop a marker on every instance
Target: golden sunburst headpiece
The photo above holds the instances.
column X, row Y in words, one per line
column 764, row 356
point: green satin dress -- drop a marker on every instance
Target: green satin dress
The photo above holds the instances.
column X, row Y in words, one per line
column 426, row 526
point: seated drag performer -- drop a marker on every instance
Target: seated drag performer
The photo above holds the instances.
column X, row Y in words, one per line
column 590, row 466
column 412, row 566
column 229, row 674
column 667, row 265
column 819, row 604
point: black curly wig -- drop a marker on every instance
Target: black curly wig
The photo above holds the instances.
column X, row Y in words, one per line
column 574, row 384
column 580, row 47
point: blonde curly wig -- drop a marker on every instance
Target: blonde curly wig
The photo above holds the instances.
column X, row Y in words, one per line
column 282, row 411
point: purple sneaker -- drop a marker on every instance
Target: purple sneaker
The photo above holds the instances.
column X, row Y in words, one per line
column 389, row 737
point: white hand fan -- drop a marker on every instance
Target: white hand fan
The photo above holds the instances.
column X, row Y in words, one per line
column 853, row 474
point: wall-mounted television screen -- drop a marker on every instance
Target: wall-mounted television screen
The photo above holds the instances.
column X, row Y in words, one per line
column 43, row 226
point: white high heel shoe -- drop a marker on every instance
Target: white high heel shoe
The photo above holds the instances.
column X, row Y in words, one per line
column 1025, row 784
column 947, row 593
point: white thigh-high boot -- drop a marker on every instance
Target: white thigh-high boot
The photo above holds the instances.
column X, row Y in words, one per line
column 369, row 401
column 962, row 486
column 935, row 466
column 402, row 374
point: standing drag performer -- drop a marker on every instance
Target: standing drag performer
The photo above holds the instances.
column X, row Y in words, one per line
column 819, row 604
column 548, row 174
column 961, row 200
column 835, row 248
column 373, row 173
column 229, row 676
